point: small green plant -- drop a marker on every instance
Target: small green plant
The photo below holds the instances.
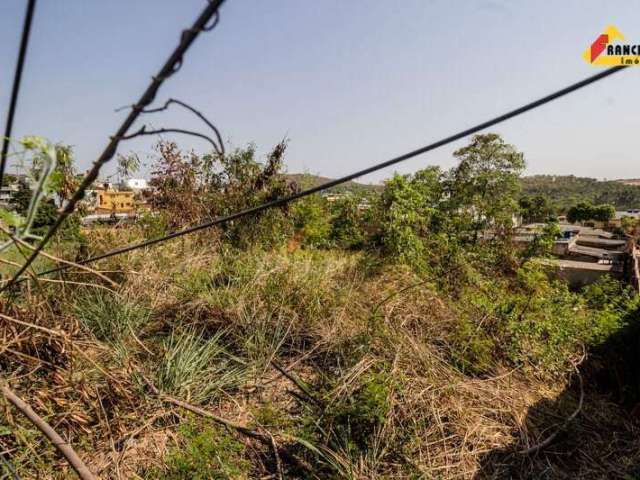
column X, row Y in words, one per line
column 197, row 368
column 205, row 453
column 107, row 316
column 354, row 419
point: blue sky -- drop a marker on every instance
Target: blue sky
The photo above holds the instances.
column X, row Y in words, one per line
column 350, row 83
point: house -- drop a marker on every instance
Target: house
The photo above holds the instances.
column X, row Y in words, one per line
column 582, row 254
column 106, row 199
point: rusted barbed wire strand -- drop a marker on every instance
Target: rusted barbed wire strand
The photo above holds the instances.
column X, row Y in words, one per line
column 15, row 90
column 374, row 168
column 58, row 442
column 169, row 68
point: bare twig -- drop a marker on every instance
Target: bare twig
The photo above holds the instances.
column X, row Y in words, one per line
column 33, row 325
column 274, row 447
column 298, row 383
column 159, row 131
column 220, row 144
column 265, row 439
column 205, row 413
column 63, row 447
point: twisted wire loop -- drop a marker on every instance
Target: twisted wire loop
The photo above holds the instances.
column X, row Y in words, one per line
column 146, row 99
column 279, row 202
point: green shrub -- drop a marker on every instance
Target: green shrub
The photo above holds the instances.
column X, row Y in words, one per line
column 312, row 221
column 197, row 368
column 353, row 420
column 108, row 316
column 205, row 453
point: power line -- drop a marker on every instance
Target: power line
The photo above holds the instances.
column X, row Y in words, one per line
column 282, row 201
column 17, row 80
column 171, row 66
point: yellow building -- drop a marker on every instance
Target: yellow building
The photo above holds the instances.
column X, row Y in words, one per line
column 114, row 201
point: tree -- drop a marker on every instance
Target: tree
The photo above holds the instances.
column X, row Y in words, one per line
column 542, row 244
column 484, row 186
column 127, row 165
column 191, row 189
column 583, row 211
column 603, row 213
column 21, row 198
column 536, row 208
column 409, row 210
column 45, row 215
column 348, row 221
column 311, row 220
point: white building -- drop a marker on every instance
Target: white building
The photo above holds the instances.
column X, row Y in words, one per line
column 136, row 184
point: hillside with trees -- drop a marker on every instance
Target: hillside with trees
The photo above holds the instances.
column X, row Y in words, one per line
column 568, row 190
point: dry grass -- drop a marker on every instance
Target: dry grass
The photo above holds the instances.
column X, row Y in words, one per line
column 336, row 325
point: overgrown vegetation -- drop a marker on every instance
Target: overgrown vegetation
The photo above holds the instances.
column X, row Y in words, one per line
column 416, row 340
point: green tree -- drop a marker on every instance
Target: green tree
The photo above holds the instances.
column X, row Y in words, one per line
column 583, row 211
column 542, row 244
column 536, row 208
column 603, row 213
column 311, row 220
column 127, row 165
column 484, row 187
column 20, row 198
column 409, row 210
column 348, row 221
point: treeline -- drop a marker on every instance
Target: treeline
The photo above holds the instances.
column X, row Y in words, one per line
column 430, row 214
column 567, row 191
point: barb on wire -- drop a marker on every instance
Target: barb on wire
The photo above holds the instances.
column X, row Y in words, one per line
column 17, row 80
column 304, row 193
column 219, row 146
column 149, row 95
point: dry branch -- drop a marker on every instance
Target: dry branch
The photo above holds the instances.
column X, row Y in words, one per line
column 298, row 383
column 63, row 447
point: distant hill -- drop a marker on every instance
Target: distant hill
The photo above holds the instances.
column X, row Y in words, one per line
column 308, row 181
column 566, row 190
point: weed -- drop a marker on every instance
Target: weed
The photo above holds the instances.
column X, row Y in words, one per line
column 108, row 316
column 197, row 368
column 205, row 453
